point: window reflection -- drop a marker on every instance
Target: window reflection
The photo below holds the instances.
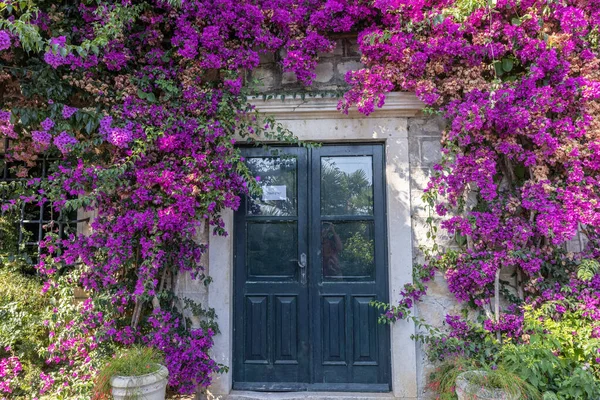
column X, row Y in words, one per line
column 347, row 185
column 348, row 249
column 271, row 247
column 278, row 180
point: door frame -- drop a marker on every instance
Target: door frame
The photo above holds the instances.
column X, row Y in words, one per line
column 317, row 119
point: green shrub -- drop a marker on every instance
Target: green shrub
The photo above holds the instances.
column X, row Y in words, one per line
column 22, row 310
column 559, row 358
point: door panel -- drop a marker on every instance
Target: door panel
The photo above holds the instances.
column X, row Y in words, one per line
column 348, row 243
column 256, row 337
column 307, row 323
column 334, row 330
column 286, row 330
column 271, row 330
column 365, row 336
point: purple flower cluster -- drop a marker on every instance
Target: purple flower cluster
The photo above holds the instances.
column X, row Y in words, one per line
column 64, row 142
column 4, row 40
column 67, row 112
column 10, row 368
column 44, row 138
column 120, row 137
column 187, row 356
column 47, row 124
column 7, row 129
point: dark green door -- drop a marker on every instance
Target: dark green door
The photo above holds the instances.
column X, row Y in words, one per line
column 309, row 258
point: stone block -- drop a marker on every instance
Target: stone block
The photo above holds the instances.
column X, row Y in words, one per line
column 420, row 229
column 417, row 205
column 431, row 153
column 338, row 50
column 419, row 177
column 426, row 126
column 265, row 77
column 324, row 72
column 346, row 66
column 351, row 48
column 288, row 78
column 414, row 151
column 265, row 58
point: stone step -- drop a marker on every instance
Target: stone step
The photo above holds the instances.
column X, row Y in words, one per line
column 247, row 395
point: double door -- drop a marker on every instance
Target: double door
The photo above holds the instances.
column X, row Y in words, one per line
column 310, row 256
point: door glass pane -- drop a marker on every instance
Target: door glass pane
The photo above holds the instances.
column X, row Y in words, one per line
column 348, row 249
column 271, row 248
column 347, row 185
column 278, row 180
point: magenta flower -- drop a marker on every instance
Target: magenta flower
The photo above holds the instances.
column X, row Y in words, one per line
column 47, row 124
column 42, row 137
column 4, row 40
column 64, row 142
column 68, row 112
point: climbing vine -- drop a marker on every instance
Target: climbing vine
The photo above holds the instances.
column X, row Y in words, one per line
column 519, row 84
column 137, row 105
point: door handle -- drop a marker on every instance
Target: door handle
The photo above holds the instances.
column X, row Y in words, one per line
column 302, row 266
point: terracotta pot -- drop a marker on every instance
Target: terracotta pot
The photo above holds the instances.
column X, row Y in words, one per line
column 147, row 387
column 466, row 390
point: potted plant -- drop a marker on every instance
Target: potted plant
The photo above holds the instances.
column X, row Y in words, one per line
column 488, row 385
column 136, row 373
column 465, row 379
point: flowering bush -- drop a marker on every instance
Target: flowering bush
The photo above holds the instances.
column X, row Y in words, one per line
column 136, row 105
column 10, row 368
column 519, row 84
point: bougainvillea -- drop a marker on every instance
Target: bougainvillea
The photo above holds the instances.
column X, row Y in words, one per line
column 136, row 105
column 519, row 84
column 10, row 368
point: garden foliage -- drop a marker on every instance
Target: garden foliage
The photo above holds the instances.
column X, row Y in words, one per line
column 137, row 105
column 519, row 84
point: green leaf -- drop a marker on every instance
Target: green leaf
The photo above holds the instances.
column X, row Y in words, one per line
column 89, row 127
column 507, row 64
column 498, row 68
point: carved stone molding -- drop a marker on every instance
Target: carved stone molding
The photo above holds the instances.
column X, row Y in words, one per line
column 397, row 104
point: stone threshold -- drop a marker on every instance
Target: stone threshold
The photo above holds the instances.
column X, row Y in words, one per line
column 248, row 395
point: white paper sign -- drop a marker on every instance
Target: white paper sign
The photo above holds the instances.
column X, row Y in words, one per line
column 274, row 193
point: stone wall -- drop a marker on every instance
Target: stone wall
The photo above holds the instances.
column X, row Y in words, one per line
column 424, row 152
column 331, row 70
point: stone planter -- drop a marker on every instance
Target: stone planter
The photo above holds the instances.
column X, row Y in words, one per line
column 147, row 387
column 467, row 390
